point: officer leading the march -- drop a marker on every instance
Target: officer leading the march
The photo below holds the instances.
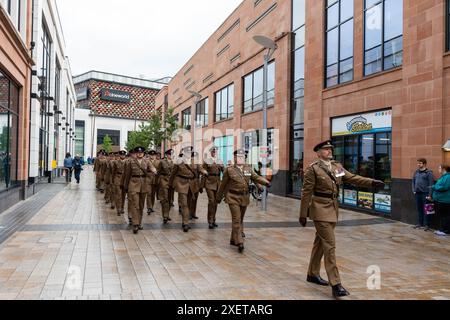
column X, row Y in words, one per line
column 320, row 203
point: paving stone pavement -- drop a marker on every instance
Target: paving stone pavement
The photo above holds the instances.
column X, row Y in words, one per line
column 67, row 244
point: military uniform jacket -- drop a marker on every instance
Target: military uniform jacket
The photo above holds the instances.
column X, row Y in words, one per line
column 107, row 171
column 235, row 185
column 319, row 180
column 184, row 177
column 212, row 181
column 135, row 180
column 151, row 176
column 96, row 165
column 164, row 167
column 118, row 172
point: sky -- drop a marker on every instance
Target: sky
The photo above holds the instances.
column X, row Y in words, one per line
column 137, row 38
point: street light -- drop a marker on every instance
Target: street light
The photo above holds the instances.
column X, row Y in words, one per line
column 271, row 46
column 198, row 97
column 92, row 114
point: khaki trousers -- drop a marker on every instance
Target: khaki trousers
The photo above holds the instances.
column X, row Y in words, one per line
column 324, row 246
column 183, row 202
column 163, row 196
column 212, row 205
column 171, row 195
column 151, row 197
column 237, row 223
column 136, row 202
column 192, row 198
column 118, row 197
column 107, row 192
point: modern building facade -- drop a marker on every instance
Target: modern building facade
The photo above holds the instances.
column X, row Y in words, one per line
column 37, row 94
column 113, row 105
column 371, row 75
column 15, row 73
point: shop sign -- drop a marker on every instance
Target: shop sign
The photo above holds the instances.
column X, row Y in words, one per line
column 382, row 202
column 380, row 121
column 82, row 94
column 365, row 200
column 350, row 197
column 115, row 95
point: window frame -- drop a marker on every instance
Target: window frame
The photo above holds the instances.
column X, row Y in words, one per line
column 228, row 106
column 338, row 28
column 183, row 113
column 383, row 39
column 252, row 74
column 204, row 117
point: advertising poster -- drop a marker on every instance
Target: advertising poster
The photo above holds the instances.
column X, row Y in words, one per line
column 382, row 202
column 380, row 121
column 365, row 200
column 350, row 197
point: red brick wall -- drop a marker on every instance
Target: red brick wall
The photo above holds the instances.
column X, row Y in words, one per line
column 141, row 105
column 415, row 91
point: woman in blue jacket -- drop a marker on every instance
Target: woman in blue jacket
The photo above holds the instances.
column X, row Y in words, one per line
column 68, row 165
column 441, row 197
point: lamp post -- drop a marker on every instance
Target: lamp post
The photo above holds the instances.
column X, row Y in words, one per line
column 92, row 114
column 198, row 97
column 271, row 46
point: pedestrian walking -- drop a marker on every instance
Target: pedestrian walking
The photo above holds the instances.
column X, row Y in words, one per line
column 77, row 167
column 235, row 188
column 441, row 199
column 422, row 182
column 68, row 166
column 320, row 194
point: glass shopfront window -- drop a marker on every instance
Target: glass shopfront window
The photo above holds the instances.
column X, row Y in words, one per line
column 9, row 132
column 186, row 119
column 363, row 144
column 225, row 149
column 253, row 140
column 253, row 89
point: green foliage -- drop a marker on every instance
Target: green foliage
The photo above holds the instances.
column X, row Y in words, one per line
column 107, row 143
column 171, row 124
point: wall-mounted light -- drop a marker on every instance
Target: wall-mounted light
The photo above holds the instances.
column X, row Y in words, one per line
column 446, row 146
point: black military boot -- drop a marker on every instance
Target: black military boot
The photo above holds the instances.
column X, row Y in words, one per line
column 241, row 248
column 339, row 291
column 317, row 280
column 186, row 228
column 166, row 220
column 135, row 229
column 215, row 225
column 211, row 226
column 149, row 212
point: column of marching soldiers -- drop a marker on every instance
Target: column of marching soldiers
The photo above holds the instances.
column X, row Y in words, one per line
column 141, row 176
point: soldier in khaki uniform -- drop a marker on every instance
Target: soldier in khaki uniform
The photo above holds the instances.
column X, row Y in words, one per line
column 320, row 203
column 184, row 179
column 106, row 172
column 117, row 174
column 199, row 174
column 97, row 170
column 211, row 183
column 152, row 181
column 165, row 167
column 235, row 188
column 135, row 183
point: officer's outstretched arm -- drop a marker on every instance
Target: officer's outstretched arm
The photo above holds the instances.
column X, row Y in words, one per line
column 357, row 180
column 309, row 183
column 258, row 179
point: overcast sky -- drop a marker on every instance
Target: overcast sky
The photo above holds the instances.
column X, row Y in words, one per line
column 138, row 37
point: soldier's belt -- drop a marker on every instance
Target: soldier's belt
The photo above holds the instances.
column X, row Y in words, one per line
column 326, row 195
column 214, row 175
column 134, row 176
column 238, row 192
column 187, row 178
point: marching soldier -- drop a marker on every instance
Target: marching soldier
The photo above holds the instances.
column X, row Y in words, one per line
column 117, row 174
column 135, row 183
column 165, row 167
column 106, row 172
column 211, row 183
column 98, row 168
column 184, row 179
column 235, row 188
column 199, row 174
column 152, row 181
column 320, row 203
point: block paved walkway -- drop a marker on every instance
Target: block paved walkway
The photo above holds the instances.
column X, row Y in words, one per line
column 65, row 243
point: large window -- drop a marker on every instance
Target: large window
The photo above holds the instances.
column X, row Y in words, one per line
column 79, row 137
column 186, row 119
column 253, row 89
column 9, row 124
column 253, row 140
column 447, row 17
column 224, row 102
column 339, row 38
column 113, row 134
column 383, row 35
column 201, row 113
